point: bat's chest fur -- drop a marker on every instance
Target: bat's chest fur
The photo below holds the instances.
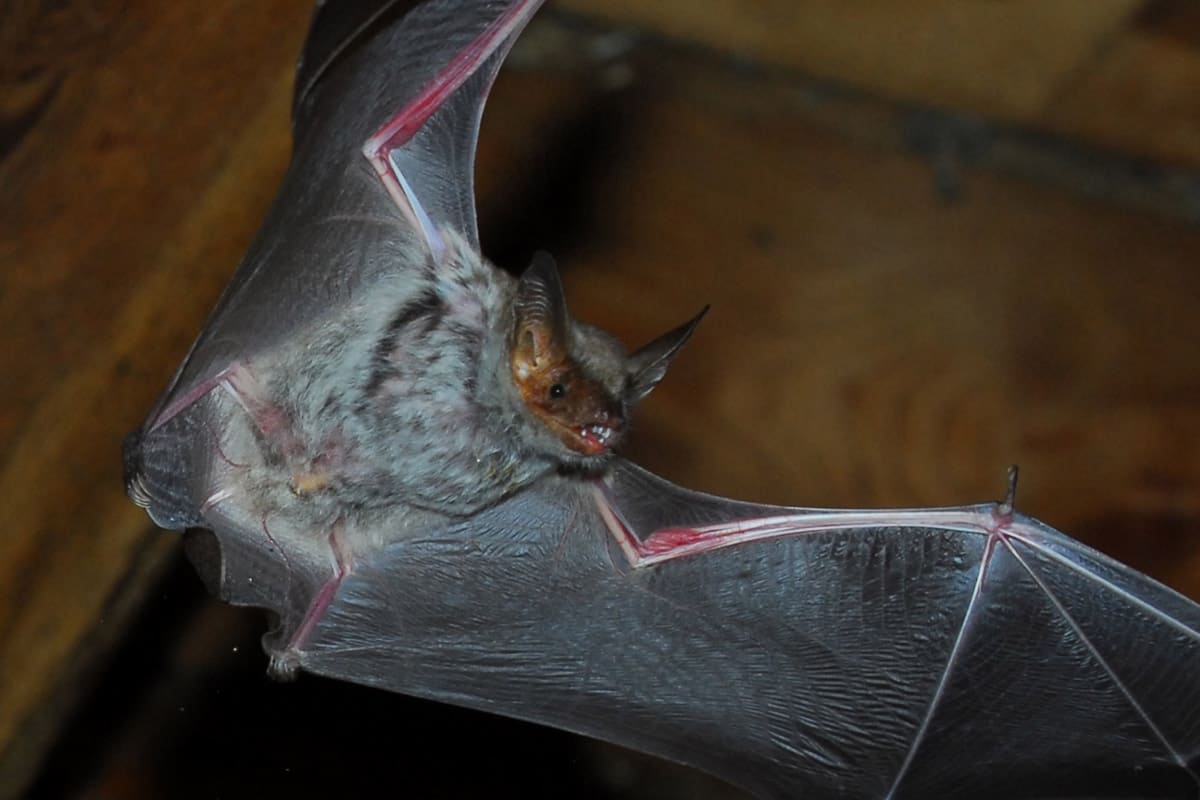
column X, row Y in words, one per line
column 403, row 400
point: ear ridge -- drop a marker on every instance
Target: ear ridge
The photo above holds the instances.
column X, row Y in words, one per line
column 540, row 320
column 647, row 367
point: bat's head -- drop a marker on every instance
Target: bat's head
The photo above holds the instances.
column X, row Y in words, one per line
column 574, row 379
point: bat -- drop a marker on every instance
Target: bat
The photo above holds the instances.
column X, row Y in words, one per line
column 410, row 458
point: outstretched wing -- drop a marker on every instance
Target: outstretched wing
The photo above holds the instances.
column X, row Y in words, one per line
column 385, row 148
column 961, row 652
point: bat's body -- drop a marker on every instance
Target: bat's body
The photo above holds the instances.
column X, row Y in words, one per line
column 392, row 401
column 447, row 388
column 407, row 454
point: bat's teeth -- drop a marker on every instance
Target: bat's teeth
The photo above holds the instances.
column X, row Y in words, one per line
column 601, row 433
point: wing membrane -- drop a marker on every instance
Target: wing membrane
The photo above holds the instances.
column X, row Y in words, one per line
column 896, row 655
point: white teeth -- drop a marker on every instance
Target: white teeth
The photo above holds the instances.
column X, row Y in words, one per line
column 601, row 432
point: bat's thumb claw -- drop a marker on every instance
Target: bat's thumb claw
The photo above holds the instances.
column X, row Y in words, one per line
column 1010, row 496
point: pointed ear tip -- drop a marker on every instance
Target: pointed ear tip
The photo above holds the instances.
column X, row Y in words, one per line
column 690, row 325
column 543, row 261
column 539, row 262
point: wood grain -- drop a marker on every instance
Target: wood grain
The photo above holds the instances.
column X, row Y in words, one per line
column 141, row 169
column 1139, row 98
column 1003, row 59
column 1118, row 74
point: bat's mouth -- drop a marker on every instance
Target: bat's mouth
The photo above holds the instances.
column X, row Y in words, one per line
column 591, row 439
column 595, row 438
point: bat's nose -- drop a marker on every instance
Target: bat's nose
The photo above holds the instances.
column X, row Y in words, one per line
column 612, row 418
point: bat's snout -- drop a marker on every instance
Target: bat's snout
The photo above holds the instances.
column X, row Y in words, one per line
column 601, row 436
column 601, row 432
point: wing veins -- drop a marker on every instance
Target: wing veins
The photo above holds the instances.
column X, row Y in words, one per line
column 951, row 660
column 1116, row 679
column 1124, row 594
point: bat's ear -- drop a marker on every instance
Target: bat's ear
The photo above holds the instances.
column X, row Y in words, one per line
column 648, row 366
column 540, row 324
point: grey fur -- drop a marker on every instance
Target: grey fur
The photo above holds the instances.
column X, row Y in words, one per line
column 407, row 400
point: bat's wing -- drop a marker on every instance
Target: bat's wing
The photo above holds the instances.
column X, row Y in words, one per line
column 385, row 135
column 919, row 654
column 962, row 652
column 386, row 117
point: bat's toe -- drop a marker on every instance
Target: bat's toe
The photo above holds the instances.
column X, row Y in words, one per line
column 131, row 456
column 284, row 665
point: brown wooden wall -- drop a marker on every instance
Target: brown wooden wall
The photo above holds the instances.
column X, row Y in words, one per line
column 937, row 240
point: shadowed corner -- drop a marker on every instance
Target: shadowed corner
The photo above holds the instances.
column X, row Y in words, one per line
column 205, row 721
column 203, row 551
column 555, row 204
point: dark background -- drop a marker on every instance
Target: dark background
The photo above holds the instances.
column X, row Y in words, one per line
column 938, row 237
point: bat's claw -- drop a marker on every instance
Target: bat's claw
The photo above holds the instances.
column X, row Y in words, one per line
column 135, row 487
column 135, row 483
column 284, row 665
column 1010, row 496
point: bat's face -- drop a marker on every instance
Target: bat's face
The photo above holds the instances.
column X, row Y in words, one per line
column 571, row 377
column 578, row 408
column 576, row 382
column 568, row 376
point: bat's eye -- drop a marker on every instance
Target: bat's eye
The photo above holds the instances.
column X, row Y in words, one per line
column 558, row 391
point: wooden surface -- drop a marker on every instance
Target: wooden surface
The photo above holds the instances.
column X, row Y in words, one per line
column 1115, row 73
column 1005, row 59
column 871, row 344
column 143, row 144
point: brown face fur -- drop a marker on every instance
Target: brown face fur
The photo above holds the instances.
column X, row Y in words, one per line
column 576, row 407
column 575, row 379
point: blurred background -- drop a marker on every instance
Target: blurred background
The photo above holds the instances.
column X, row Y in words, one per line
column 939, row 237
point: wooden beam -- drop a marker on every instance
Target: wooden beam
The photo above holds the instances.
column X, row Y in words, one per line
column 143, row 144
column 1004, row 60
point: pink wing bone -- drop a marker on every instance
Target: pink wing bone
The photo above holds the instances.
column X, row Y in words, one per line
column 287, row 661
column 668, row 543
column 401, row 128
column 172, row 409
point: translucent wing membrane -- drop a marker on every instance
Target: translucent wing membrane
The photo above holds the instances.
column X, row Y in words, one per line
column 425, row 155
column 918, row 653
column 384, row 160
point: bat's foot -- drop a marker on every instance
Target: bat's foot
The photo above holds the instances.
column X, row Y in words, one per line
column 284, row 665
